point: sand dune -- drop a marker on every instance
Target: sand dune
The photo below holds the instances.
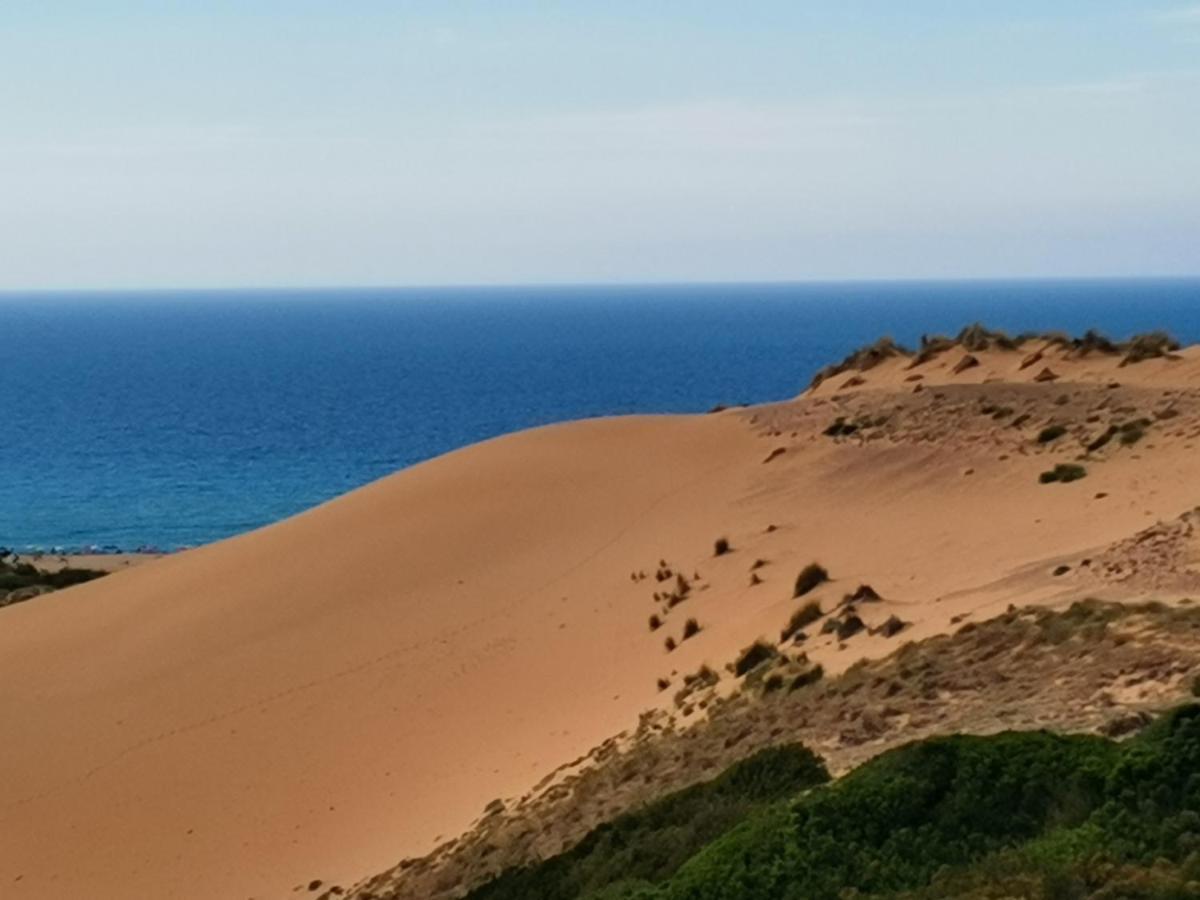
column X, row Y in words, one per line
column 320, row 698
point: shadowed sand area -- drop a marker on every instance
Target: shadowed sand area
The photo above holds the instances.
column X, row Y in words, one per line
column 317, row 699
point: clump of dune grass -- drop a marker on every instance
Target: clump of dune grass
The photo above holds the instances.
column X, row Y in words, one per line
column 1101, row 439
column 670, row 644
column 840, row 428
column 663, row 684
column 655, row 623
column 809, row 578
column 1132, row 432
column 691, row 628
column 811, row 676
column 862, row 359
column 801, row 618
column 721, row 546
column 1064, row 473
column 1152, row 345
column 752, row 657
column 1051, row 433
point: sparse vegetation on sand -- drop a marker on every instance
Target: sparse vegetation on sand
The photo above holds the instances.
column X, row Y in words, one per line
column 803, row 617
column 21, row 580
column 810, row 577
column 753, row 656
column 721, row 546
column 863, row 359
column 977, row 338
column 691, row 628
column 1132, row 432
column 1051, row 433
column 1064, row 473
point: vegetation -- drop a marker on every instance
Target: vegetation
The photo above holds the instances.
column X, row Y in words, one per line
column 1012, row 815
column 1051, row 433
column 753, row 657
column 1132, row 432
column 809, row 578
column 801, row 618
column 691, row 628
column 720, row 546
column 649, row 845
column 1064, row 472
column 20, row 580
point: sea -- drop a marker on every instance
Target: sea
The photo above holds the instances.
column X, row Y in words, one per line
column 167, row 419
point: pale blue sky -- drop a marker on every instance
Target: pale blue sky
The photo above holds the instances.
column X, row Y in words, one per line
column 295, row 142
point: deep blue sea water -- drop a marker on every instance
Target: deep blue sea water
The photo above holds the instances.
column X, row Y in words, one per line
column 170, row 419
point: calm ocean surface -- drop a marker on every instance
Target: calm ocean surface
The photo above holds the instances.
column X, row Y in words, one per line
column 171, row 419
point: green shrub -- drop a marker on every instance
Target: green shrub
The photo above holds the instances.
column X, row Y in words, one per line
column 646, row 847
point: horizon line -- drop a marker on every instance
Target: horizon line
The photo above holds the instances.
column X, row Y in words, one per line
column 550, row 285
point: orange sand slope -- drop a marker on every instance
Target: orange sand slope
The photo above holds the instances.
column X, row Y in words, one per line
column 319, row 698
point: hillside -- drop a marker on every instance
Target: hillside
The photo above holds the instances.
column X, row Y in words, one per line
column 306, row 704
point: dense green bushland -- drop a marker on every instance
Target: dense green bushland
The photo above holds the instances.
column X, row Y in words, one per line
column 647, row 846
column 1013, row 815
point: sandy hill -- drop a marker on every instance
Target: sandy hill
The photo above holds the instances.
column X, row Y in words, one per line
column 318, row 699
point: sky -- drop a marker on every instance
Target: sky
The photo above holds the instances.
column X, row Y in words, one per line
column 226, row 143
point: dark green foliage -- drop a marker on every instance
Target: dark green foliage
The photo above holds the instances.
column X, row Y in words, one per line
column 1013, row 815
column 810, row 576
column 753, row 656
column 893, row 823
column 1063, row 472
column 1051, row 433
column 646, row 847
column 15, row 575
column 801, row 618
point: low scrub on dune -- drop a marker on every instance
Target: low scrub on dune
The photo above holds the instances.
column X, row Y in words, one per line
column 803, row 617
column 1051, row 433
column 1063, row 472
column 862, row 359
column 810, row 577
column 753, row 656
column 1017, row 814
